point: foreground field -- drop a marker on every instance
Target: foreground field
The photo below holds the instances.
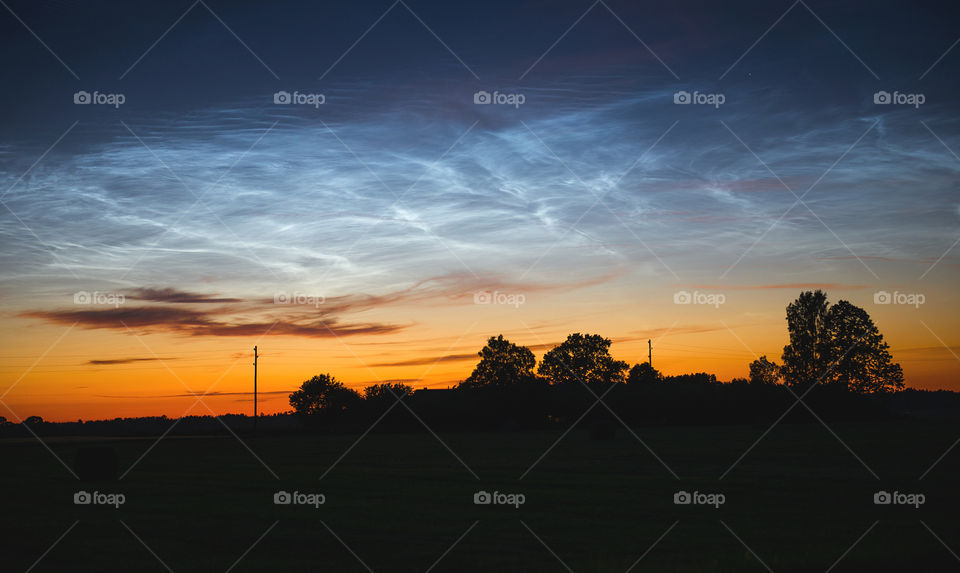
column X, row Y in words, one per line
column 799, row 501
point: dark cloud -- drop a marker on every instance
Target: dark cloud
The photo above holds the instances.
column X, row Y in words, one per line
column 175, row 296
column 430, row 360
column 197, row 394
column 124, row 361
column 204, row 323
column 170, row 310
column 455, row 357
column 122, row 318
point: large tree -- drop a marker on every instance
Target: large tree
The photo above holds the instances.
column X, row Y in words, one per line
column 582, row 358
column 502, row 363
column 836, row 345
column 860, row 357
column 323, row 394
column 805, row 358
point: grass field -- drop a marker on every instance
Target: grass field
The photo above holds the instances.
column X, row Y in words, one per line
column 402, row 502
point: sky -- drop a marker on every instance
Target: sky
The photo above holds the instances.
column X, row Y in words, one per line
column 374, row 189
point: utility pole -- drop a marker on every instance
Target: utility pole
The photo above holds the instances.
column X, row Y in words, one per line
column 254, row 388
column 650, row 353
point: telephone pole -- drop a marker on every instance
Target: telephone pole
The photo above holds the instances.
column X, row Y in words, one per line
column 650, row 353
column 254, row 388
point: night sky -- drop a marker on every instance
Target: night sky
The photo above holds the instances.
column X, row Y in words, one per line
column 585, row 204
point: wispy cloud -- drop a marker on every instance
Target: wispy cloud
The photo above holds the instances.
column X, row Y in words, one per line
column 110, row 361
column 782, row 286
column 206, row 323
column 196, row 394
column 172, row 295
column 422, row 361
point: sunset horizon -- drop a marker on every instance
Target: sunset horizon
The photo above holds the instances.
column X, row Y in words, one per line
column 582, row 181
column 181, row 367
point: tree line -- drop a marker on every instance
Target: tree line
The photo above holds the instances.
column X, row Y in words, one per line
column 837, row 347
column 836, row 359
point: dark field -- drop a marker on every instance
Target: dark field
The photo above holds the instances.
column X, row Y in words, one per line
column 799, row 501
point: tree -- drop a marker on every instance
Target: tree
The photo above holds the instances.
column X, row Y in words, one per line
column 837, row 345
column 502, row 363
column 860, row 357
column 805, row 359
column 582, row 358
column 323, row 394
column 763, row 371
column 386, row 392
column 643, row 373
column 33, row 421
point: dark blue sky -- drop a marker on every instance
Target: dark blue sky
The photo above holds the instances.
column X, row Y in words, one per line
column 199, row 65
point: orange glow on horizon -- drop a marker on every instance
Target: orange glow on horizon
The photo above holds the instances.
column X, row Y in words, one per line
column 161, row 374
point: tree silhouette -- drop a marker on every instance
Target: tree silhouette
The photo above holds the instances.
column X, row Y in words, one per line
column 837, row 345
column 502, row 363
column 805, row 359
column 323, row 394
column 582, row 357
column 862, row 359
column 643, row 373
column 763, row 371
column 386, row 392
